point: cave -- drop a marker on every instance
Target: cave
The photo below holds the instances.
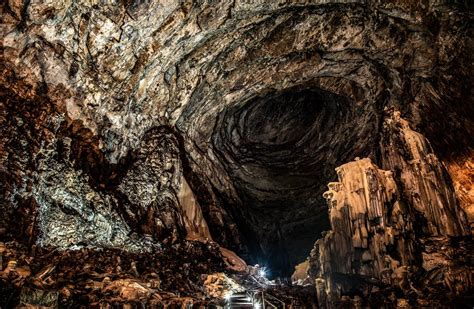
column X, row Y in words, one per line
column 236, row 154
column 280, row 151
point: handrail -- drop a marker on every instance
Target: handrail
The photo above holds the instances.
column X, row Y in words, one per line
column 264, row 300
column 275, row 298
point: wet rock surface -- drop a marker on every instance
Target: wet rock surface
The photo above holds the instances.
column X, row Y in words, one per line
column 134, row 125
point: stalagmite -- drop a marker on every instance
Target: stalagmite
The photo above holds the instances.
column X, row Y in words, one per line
column 381, row 221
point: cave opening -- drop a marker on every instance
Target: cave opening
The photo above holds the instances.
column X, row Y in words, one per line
column 280, row 151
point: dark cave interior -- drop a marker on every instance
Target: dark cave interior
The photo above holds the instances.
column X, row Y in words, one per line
column 280, row 151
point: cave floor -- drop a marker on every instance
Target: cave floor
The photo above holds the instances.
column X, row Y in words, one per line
column 185, row 274
column 182, row 274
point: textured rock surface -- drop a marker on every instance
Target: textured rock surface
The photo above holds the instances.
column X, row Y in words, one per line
column 172, row 276
column 71, row 213
column 425, row 183
column 136, row 124
column 382, row 220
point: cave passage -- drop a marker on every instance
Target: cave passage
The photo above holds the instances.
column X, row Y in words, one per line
column 281, row 150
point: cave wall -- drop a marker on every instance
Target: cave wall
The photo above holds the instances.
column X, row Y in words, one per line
column 110, row 108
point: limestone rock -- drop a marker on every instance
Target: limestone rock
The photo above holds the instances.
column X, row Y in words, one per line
column 218, row 285
column 381, row 220
column 426, row 184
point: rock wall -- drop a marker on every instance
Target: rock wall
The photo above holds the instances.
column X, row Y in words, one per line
column 382, row 219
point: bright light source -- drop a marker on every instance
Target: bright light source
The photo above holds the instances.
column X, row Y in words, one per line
column 262, row 272
column 228, row 296
column 257, row 306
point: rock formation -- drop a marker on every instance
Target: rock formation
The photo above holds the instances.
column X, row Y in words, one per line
column 382, row 220
column 141, row 126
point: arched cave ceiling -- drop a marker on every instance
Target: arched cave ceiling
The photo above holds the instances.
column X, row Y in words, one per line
column 255, row 103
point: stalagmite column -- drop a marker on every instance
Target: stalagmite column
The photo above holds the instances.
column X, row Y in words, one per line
column 426, row 184
column 380, row 218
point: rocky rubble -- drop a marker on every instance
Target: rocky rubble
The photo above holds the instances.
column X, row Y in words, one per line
column 220, row 286
column 49, row 277
column 182, row 275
